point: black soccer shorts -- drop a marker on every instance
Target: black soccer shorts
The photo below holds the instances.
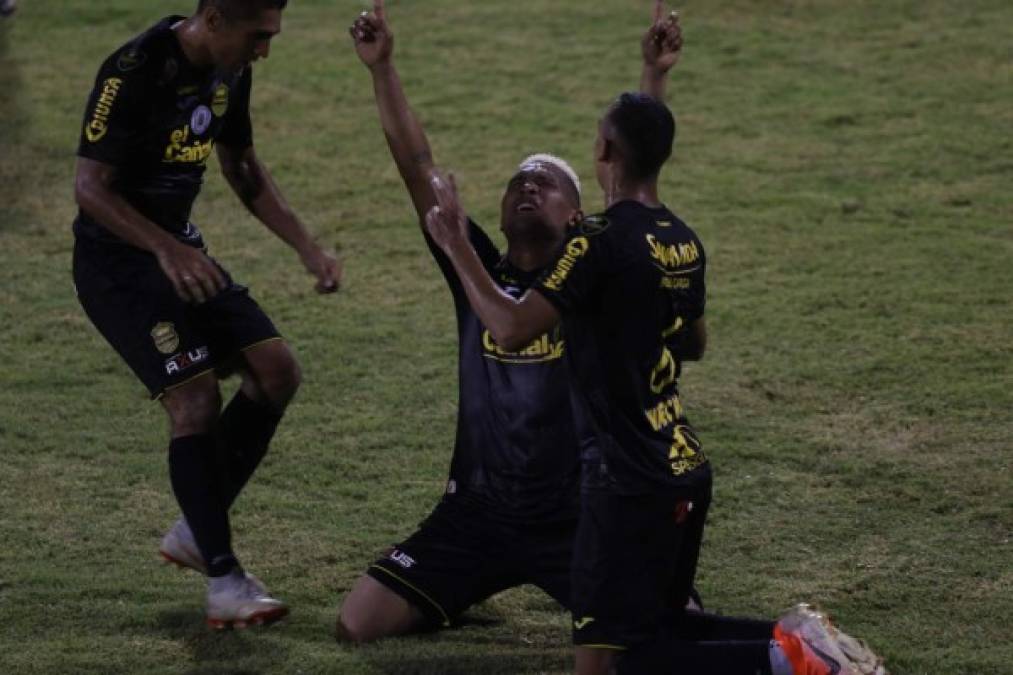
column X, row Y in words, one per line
column 165, row 341
column 461, row 555
column 634, row 561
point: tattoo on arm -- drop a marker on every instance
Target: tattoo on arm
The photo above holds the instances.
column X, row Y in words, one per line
column 423, row 158
column 250, row 182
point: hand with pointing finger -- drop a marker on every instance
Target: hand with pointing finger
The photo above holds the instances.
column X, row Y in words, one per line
column 374, row 42
column 446, row 222
column 662, row 43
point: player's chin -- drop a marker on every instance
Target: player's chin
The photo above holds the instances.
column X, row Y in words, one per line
column 527, row 223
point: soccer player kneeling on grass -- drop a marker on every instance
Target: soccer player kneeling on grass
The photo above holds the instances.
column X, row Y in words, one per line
column 628, row 286
column 510, row 510
column 160, row 105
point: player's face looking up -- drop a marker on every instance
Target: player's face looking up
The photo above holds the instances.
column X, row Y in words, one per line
column 539, row 200
column 238, row 42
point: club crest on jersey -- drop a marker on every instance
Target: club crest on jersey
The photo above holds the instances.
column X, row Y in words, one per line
column 131, row 59
column 165, row 336
column 200, row 120
column 220, row 101
column 98, row 125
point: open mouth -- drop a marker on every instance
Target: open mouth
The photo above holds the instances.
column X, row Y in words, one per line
column 526, row 207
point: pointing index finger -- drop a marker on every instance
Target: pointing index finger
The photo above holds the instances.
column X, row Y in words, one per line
column 659, row 9
column 378, row 10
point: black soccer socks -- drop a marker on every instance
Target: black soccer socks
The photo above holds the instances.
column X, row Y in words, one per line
column 245, row 430
column 197, row 484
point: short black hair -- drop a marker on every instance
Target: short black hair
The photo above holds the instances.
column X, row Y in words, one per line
column 241, row 9
column 646, row 131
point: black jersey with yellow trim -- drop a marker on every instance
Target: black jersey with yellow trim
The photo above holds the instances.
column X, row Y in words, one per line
column 156, row 118
column 629, row 284
column 516, row 454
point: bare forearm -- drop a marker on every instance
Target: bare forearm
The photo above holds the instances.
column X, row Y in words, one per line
column 115, row 214
column 653, row 81
column 254, row 186
column 405, row 137
column 512, row 323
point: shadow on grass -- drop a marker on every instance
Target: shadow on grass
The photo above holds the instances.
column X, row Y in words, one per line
column 222, row 651
column 453, row 663
column 446, row 651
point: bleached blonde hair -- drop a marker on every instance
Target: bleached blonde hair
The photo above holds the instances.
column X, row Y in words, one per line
column 558, row 162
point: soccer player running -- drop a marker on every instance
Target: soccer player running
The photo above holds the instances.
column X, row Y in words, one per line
column 161, row 103
column 628, row 286
column 509, row 513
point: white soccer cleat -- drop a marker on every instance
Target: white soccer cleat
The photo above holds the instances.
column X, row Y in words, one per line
column 180, row 548
column 817, row 647
column 241, row 601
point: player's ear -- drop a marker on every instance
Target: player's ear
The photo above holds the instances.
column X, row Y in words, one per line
column 575, row 219
column 213, row 18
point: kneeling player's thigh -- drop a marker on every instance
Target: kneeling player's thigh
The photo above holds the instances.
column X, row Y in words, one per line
column 372, row 611
column 548, row 553
column 456, row 559
column 625, row 552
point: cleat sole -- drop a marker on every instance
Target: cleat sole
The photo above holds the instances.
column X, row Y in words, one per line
column 265, row 618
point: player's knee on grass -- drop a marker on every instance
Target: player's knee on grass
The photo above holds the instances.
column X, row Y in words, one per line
column 273, row 375
column 372, row 611
column 194, row 407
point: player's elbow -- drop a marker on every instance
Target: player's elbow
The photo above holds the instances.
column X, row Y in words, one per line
column 511, row 336
column 88, row 190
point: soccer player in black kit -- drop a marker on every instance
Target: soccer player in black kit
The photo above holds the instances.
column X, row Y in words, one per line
column 629, row 287
column 509, row 513
column 160, row 105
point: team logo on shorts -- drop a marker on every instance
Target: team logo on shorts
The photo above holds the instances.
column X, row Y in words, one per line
column 166, row 338
column 200, row 120
column 220, row 102
column 402, row 559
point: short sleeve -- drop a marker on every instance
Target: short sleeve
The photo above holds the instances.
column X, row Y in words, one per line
column 572, row 282
column 237, row 131
column 116, row 112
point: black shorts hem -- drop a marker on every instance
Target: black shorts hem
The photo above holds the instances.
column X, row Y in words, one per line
column 433, row 612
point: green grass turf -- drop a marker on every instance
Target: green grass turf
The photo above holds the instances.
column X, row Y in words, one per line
column 846, row 162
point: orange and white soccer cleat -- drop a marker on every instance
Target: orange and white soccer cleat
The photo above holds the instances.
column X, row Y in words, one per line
column 179, row 548
column 814, row 646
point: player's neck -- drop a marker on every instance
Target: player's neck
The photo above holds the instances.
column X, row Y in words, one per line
column 192, row 34
column 531, row 256
column 646, row 193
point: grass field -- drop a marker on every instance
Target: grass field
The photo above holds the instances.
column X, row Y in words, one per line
column 848, row 164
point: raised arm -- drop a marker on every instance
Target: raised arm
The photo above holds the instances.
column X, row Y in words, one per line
column 374, row 43
column 661, row 47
